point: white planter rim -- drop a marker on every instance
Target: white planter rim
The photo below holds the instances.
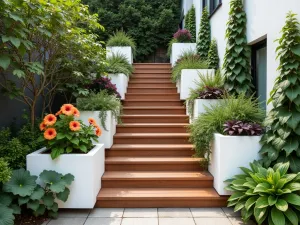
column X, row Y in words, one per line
column 236, row 136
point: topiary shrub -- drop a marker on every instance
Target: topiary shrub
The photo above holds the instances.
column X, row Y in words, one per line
column 236, row 65
column 203, row 42
column 282, row 140
column 213, row 57
column 192, row 23
column 187, row 24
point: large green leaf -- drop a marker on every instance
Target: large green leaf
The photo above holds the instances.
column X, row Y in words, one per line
column 38, row 193
column 250, row 202
column 282, row 205
column 21, row 183
column 5, row 199
column 260, row 214
column 272, row 200
column 235, row 196
column 282, row 168
column 293, row 187
column 294, row 120
column 262, row 202
column 296, row 49
column 54, row 179
column 63, row 196
column 291, row 145
column 4, row 61
column 277, row 216
column 292, row 216
column 292, row 199
column 68, row 178
column 292, row 92
column 6, row 215
column 48, row 199
column 33, row 204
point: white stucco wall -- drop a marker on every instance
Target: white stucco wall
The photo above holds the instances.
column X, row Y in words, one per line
column 185, row 7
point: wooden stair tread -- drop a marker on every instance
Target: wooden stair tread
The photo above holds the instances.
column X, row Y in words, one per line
column 152, row 160
column 157, row 193
column 154, row 175
column 154, row 116
column 153, row 124
column 152, row 100
column 150, row 135
column 152, row 146
column 154, row 107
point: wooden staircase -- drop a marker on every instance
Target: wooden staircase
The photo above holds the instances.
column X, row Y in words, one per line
column 151, row 163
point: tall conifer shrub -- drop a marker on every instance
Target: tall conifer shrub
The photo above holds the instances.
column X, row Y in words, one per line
column 203, row 42
column 192, row 19
column 213, row 57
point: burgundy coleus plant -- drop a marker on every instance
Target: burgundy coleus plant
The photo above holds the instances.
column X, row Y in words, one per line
column 240, row 128
column 183, row 35
column 211, row 93
column 104, row 83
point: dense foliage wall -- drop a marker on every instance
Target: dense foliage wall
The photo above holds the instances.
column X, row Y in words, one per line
column 150, row 23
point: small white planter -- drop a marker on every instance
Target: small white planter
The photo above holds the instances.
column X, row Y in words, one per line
column 228, row 154
column 126, row 50
column 179, row 48
column 121, row 82
column 86, row 168
column 188, row 80
column 106, row 137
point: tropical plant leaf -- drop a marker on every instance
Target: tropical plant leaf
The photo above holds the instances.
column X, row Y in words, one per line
column 277, row 217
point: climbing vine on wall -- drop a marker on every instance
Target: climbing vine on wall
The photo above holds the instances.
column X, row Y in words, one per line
column 203, row 41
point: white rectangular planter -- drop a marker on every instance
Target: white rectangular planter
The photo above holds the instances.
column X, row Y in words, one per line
column 228, row 154
column 86, row 168
column 200, row 106
column 179, row 48
column 188, row 80
column 107, row 135
column 121, row 82
column 126, row 50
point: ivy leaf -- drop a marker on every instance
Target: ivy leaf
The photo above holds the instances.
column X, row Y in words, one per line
column 15, row 41
column 4, row 61
column 292, row 92
column 291, row 145
column 294, row 120
column 19, row 73
column 296, row 49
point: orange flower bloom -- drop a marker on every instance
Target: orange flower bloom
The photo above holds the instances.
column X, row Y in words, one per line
column 98, row 131
column 74, row 125
column 42, row 126
column 67, row 109
column 58, row 113
column 76, row 112
column 50, row 134
column 50, row 119
column 92, row 121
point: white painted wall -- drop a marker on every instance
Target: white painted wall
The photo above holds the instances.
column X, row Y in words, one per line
column 185, row 7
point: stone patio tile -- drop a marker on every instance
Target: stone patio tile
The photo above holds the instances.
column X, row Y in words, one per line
column 239, row 221
column 73, row 213
column 107, row 212
column 230, row 213
column 212, row 221
column 140, row 212
column 207, row 212
column 67, row 221
column 139, row 221
column 174, row 212
column 176, row 221
column 103, row 221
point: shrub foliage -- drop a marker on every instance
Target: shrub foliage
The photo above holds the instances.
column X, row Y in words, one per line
column 203, row 42
column 192, row 23
column 213, row 56
column 120, row 38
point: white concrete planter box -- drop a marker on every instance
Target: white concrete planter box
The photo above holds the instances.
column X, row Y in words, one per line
column 126, row 50
column 107, row 135
column 200, row 106
column 188, row 80
column 121, row 82
column 86, row 168
column 228, row 154
column 179, row 48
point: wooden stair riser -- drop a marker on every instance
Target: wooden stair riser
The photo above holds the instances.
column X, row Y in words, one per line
column 152, row 103
column 145, row 153
column 152, row 90
column 153, row 71
column 150, row 111
column 152, row 66
column 158, row 119
column 151, row 140
column 151, row 76
column 150, row 80
column 178, row 129
column 152, row 97
column 151, row 85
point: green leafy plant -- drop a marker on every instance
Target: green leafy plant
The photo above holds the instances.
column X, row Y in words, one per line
column 269, row 195
column 5, row 171
column 22, row 192
column 236, row 65
column 188, row 60
column 102, row 102
column 119, row 39
column 118, row 63
column 192, row 23
column 65, row 134
column 203, row 42
column 213, row 57
column 232, row 108
column 281, row 142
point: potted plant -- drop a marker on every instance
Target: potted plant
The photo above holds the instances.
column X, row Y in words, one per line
column 228, row 136
column 69, row 149
column 106, row 110
column 119, row 71
column 122, row 43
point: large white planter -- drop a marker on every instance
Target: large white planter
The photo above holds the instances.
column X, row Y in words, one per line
column 228, row 154
column 126, row 50
column 200, row 106
column 86, row 168
column 107, row 135
column 179, row 48
column 188, row 80
column 121, row 82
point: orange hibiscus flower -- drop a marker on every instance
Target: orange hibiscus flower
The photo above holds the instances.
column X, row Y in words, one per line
column 92, row 121
column 50, row 134
column 98, row 131
column 58, row 113
column 74, row 125
column 67, row 109
column 76, row 112
column 42, row 126
column 50, row 119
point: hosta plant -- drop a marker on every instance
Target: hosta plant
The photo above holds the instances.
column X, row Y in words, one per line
column 240, row 128
column 203, row 41
column 211, row 93
column 62, row 133
column 270, row 195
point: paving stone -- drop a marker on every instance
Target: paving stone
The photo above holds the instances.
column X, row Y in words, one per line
column 107, row 212
column 67, row 221
column 174, row 212
column 73, row 213
column 140, row 212
column 230, row 213
column 176, row 221
column 239, row 221
column 139, row 221
column 103, row 221
column 207, row 212
column 212, row 221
